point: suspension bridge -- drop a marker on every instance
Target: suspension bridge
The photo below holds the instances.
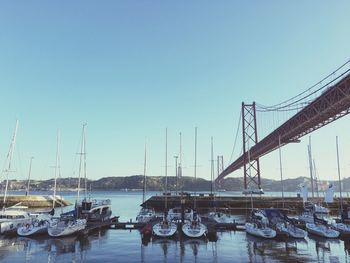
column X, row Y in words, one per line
column 321, row 104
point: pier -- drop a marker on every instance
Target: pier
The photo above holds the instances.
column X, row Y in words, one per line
column 34, row 201
column 240, row 204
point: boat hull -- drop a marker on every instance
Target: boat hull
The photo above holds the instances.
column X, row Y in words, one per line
column 60, row 230
column 164, row 230
column 321, row 230
column 265, row 232
column 31, row 230
column 194, row 230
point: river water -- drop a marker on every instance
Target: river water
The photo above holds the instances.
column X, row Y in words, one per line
column 110, row 245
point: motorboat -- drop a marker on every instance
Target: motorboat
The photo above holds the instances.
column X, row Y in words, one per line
column 94, row 210
column 193, row 228
column 13, row 217
column 165, row 228
column 282, row 224
column 146, row 215
column 258, row 225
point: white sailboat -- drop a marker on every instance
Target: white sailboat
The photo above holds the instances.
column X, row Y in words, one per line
column 166, row 228
column 40, row 224
column 258, row 226
column 282, row 224
column 12, row 217
column 342, row 226
column 193, row 227
column 146, row 214
column 217, row 216
column 93, row 210
column 69, row 223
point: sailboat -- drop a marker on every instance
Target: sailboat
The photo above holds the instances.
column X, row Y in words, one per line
column 166, row 228
column 146, row 214
column 193, row 227
column 217, row 216
column 258, row 224
column 12, row 217
column 40, row 224
column 93, row 210
column 69, row 223
column 342, row 225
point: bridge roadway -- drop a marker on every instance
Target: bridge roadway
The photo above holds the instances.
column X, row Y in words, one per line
column 331, row 105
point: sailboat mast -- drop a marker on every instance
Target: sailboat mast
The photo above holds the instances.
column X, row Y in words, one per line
column 56, row 168
column 212, row 167
column 179, row 170
column 310, row 165
column 316, row 178
column 30, row 170
column 281, row 170
column 340, row 188
column 80, row 162
column 84, row 154
column 9, row 156
column 166, row 169
column 195, row 165
column 144, row 176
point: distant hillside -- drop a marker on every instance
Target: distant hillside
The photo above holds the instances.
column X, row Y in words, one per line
column 157, row 183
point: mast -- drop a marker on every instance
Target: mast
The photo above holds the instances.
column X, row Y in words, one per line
column 81, row 161
column 316, row 178
column 144, row 176
column 310, row 165
column 212, row 167
column 9, row 157
column 179, row 169
column 195, row 166
column 212, row 174
column 166, row 170
column 84, row 154
column 56, row 168
column 176, row 176
column 30, row 169
column 340, row 188
column 281, row 170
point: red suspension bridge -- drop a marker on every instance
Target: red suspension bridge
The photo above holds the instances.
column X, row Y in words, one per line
column 332, row 104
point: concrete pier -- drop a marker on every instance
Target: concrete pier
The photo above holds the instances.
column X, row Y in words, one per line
column 239, row 204
column 34, row 201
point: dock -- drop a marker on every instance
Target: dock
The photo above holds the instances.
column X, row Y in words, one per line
column 239, row 204
column 34, row 201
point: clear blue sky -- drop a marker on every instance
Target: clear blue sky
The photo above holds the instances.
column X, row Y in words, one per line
column 131, row 68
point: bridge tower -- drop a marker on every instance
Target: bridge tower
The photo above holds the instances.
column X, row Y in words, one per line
column 250, row 138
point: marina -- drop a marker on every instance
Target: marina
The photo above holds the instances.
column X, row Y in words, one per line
column 174, row 131
column 122, row 238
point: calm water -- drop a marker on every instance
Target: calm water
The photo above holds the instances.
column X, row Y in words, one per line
column 126, row 246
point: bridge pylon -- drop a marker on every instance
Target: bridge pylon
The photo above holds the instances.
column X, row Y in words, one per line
column 250, row 138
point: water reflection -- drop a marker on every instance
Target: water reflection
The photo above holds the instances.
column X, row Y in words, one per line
column 263, row 250
column 107, row 245
column 48, row 247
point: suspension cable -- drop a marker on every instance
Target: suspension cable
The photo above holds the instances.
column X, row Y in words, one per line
column 294, row 102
